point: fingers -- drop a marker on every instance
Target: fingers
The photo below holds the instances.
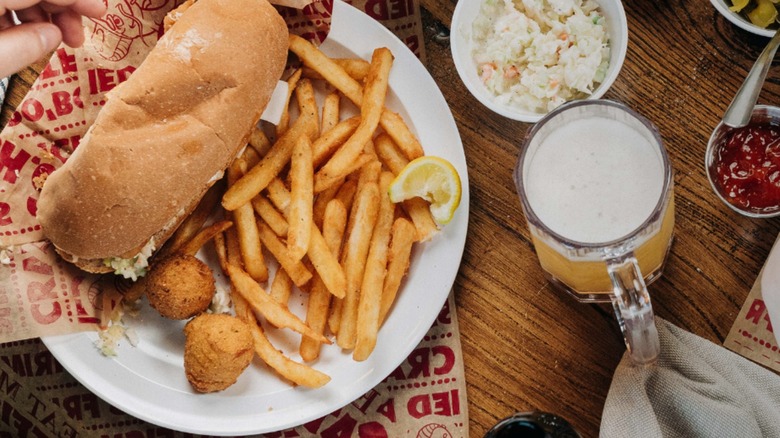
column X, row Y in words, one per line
column 31, row 15
column 69, row 23
column 15, row 5
column 89, row 8
column 6, row 21
column 65, row 14
column 26, row 43
column 44, row 24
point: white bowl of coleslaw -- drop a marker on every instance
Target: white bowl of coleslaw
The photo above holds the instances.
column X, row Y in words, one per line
column 524, row 58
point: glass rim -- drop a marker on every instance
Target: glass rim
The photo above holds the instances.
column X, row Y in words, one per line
column 531, row 215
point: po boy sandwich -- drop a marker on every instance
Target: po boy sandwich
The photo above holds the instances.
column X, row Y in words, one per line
column 165, row 136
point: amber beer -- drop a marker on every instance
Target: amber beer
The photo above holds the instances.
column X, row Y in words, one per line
column 592, row 181
column 589, row 277
column 597, row 191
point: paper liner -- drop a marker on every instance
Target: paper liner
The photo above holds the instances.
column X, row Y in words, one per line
column 50, row 123
column 424, row 397
column 43, row 296
column 751, row 335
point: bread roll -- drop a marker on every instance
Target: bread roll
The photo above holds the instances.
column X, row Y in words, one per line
column 166, row 134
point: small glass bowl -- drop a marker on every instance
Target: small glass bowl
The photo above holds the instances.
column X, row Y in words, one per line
column 762, row 114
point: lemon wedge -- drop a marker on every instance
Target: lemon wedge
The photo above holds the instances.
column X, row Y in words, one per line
column 433, row 179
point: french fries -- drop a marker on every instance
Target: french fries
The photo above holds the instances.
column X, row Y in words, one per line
column 258, row 177
column 331, row 112
column 203, row 236
column 314, row 196
column 267, row 212
column 295, row 372
column 284, row 122
column 328, row 181
column 295, row 269
column 361, row 226
column 326, row 264
column 338, row 77
column 395, row 127
column 246, row 227
column 403, row 237
column 374, row 276
column 327, row 68
column 259, row 142
column 370, row 111
column 279, row 195
column 323, row 147
column 307, row 104
column 281, row 287
column 262, row 302
column 393, row 158
column 300, row 218
column 333, row 223
column 192, row 225
column 355, row 68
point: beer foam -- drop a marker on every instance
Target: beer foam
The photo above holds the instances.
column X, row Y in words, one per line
column 594, row 180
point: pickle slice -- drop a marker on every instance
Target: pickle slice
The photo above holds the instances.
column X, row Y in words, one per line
column 764, row 14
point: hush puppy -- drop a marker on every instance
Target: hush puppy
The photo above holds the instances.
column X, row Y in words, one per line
column 218, row 348
column 180, row 286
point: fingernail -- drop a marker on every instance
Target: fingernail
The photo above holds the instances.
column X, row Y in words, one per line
column 49, row 36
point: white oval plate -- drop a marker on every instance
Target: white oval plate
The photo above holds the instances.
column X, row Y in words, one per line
column 148, row 382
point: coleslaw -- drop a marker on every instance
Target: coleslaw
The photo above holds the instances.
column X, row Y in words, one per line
column 537, row 54
column 132, row 267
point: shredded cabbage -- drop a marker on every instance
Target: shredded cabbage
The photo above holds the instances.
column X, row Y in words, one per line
column 220, row 303
column 108, row 338
column 6, row 255
column 537, row 54
column 132, row 267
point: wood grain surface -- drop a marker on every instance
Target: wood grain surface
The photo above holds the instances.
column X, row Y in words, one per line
column 528, row 346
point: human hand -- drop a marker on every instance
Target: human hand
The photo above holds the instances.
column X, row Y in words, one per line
column 44, row 24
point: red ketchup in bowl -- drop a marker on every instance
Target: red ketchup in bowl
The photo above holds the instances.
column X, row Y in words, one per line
column 747, row 167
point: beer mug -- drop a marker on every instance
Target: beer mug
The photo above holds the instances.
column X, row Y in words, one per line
column 597, row 191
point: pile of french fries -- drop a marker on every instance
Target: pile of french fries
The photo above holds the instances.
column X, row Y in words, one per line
column 315, row 198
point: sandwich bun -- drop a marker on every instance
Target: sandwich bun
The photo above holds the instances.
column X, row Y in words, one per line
column 166, row 134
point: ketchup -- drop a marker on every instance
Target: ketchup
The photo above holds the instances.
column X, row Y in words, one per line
column 747, row 166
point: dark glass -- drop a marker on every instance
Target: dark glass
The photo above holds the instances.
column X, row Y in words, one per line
column 532, row 425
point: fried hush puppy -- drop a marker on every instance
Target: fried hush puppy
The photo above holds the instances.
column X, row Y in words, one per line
column 180, row 286
column 218, row 348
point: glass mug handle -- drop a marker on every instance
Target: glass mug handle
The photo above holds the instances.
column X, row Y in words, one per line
column 633, row 310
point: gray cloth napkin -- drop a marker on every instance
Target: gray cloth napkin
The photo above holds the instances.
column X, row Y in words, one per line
column 3, row 87
column 696, row 389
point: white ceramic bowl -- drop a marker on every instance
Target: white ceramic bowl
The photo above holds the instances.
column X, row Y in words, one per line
column 460, row 42
column 723, row 7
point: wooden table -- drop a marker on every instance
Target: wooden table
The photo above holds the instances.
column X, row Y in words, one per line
column 528, row 346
